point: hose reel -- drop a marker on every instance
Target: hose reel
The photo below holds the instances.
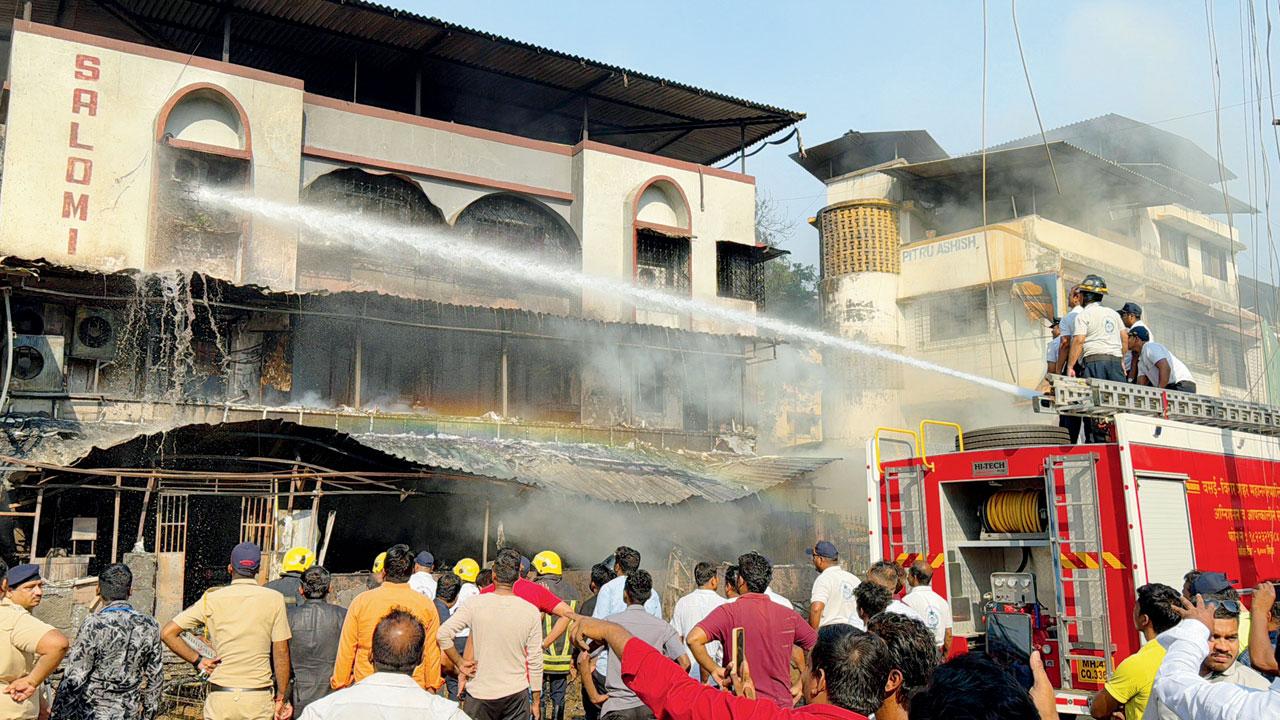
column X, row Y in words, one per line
column 1014, row 511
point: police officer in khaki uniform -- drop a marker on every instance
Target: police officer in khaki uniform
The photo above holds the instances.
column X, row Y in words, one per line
column 30, row 650
column 247, row 625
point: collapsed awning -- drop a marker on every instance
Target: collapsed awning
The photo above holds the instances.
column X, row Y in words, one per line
column 248, row 457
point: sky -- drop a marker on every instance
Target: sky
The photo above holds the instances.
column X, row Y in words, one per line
column 863, row 65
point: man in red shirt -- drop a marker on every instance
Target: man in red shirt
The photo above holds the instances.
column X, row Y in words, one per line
column 769, row 632
column 847, row 678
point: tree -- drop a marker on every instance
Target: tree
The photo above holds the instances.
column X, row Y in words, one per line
column 790, row 288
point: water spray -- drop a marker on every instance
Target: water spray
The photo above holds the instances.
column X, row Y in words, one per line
column 355, row 229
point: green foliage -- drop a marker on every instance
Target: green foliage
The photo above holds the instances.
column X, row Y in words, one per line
column 791, row 291
column 790, row 288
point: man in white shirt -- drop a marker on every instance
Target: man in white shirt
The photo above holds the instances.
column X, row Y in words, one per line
column 422, row 580
column 1131, row 316
column 1066, row 329
column 390, row 693
column 832, row 599
column 609, row 601
column 1157, row 366
column 1097, row 346
column 935, row 610
column 694, row 608
column 1181, row 689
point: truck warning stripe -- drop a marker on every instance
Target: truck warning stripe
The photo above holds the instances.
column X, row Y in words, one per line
column 1112, row 561
column 936, row 562
column 1084, row 561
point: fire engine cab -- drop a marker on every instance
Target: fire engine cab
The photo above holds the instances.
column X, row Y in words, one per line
column 1038, row 541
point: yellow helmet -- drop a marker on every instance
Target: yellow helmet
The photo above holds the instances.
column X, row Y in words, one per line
column 298, row 559
column 547, row 562
column 467, row 569
column 378, row 562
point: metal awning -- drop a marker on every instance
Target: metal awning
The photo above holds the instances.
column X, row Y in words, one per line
column 281, row 457
column 1079, row 172
column 374, row 54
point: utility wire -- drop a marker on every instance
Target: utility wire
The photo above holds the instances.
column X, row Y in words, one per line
column 986, row 245
column 1017, row 34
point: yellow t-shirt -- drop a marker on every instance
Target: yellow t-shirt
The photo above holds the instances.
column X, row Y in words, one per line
column 1131, row 683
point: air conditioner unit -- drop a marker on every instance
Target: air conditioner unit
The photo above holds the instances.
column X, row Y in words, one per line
column 96, row 334
column 37, row 363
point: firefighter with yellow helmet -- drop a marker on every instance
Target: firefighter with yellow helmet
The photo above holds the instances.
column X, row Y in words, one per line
column 557, row 646
column 296, row 562
column 467, row 570
column 1098, row 344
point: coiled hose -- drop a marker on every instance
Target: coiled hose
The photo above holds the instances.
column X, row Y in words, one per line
column 1014, row 511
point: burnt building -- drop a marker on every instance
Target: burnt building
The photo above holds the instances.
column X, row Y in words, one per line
column 186, row 372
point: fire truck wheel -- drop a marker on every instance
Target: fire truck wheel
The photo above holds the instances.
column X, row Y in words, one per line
column 1006, row 436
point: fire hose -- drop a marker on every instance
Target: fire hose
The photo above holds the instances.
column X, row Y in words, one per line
column 1014, row 511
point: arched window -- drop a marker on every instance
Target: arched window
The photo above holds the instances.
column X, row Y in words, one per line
column 388, row 198
column 203, row 141
column 662, row 236
column 527, row 228
column 662, row 202
column 521, row 225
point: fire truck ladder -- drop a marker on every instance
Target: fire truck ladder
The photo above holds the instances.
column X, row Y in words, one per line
column 1104, row 398
column 1075, row 542
column 905, row 532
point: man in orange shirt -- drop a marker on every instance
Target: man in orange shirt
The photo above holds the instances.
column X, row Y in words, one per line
column 368, row 609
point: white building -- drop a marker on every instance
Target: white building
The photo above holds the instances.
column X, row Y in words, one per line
column 908, row 261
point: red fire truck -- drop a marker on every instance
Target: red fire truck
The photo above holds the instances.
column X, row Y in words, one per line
column 1031, row 535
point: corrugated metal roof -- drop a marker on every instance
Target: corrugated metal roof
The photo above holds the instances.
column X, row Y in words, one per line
column 600, row 472
column 1078, row 170
column 636, row 474
column 469, row 76
column 1130, row 142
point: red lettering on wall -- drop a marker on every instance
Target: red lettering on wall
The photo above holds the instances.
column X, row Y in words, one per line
column 79, row 170
column 77, row 205
column 84, row 99
column 75, row 138
column 88, row 67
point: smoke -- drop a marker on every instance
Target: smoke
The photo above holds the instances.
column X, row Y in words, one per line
column 457, row 252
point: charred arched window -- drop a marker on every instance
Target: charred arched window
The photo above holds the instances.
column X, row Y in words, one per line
column 330, row 263
column 524, row 228
column 203, row 142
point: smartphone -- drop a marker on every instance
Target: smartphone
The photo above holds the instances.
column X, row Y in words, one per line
column 738, row 652
column 1009, row 644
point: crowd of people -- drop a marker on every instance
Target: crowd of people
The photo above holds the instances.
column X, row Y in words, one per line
column 503, row 642
column 1094, row 341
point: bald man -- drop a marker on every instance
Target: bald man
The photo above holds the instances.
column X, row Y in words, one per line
column 391, row 690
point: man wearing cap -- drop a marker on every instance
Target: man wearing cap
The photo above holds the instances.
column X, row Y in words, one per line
column 116, row 667
column 367, row 610
column 1220, row 665
column 832, row 599
column 424, row 563
column 1131, row 316
column 1157, row 366
column 23, row 639
column 1066, row 330
column 247, row 626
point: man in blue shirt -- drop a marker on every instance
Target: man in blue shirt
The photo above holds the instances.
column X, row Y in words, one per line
column 610, row 601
